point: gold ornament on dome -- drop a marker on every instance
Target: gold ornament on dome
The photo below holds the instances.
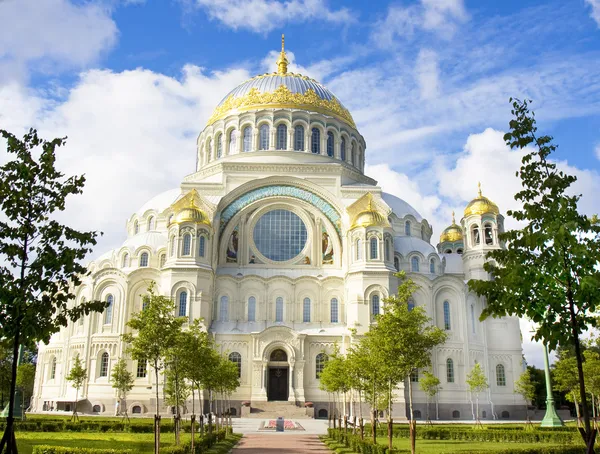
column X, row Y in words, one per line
column 282, row 61
column 452, row 233
column 369, row 217
column 190, row 212
column 481, row 205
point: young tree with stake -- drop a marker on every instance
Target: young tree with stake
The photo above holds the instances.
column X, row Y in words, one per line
column 122, row 381
column 77, row 376
column 477, row 383
column 430, row 385
column 526, row 388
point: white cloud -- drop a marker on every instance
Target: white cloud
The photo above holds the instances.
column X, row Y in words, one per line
column 597, row 151
column 595, row 13
column 262, row 16
column 443, row 16
column 53, row 34
column 427, row 73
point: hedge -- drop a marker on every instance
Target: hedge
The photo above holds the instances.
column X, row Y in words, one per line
column 201, row 444
column 95, row 426
column 540, row 450
column 60, row 450
column 355, row 443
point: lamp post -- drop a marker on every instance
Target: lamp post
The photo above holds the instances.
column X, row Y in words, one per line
column 551, row 418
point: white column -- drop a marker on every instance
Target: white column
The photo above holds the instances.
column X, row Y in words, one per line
column 291, row 395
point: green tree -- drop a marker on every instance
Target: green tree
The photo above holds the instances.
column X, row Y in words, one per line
column 335, row 377
column 77, row 376
column 5, row 372
column 25, row 382
column 39, row 256
column 155, row 330
column 548, row 271
column 122, row 381
column 430, row 385
column 565, row 378
column 176, row 389
column 477, row 383
column 591, row 369
column 526, row 388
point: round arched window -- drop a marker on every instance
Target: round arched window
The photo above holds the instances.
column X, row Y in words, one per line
column 280, row 235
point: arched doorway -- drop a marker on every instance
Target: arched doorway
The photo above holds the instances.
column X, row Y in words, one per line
column 278, row 376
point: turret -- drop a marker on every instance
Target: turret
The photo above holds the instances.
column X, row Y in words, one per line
column 451, row 239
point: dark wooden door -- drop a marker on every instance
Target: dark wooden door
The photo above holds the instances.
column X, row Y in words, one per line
column 278, row 383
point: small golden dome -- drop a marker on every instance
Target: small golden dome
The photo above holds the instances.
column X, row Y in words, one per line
column 282, row 61
column 481, row 205
column 452, row 233
column 370, row 217
column 192, row 213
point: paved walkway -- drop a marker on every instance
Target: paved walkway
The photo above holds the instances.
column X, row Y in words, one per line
column 280, row 443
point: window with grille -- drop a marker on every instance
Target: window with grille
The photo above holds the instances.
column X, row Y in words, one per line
column 252, row 309
column 279, row 309
column 264, row 137
column 236, row 359
column 375, row 305
column 447, row 320
column 282, row 137
column 330, row 144
column 141, row 368
column 299, row 138
column 320, row 362
column 500, row 375
column 247, row 138
column 104, row 365
column 449, row 370
column 109, row 309
column 334, row 309
column 306, row 310
column 187, row 244
column 373, row 248
column 224, row 309
column 315, row 141
column 144, row 259
column 183, row 304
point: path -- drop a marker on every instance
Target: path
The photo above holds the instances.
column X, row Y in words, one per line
column 280, row 443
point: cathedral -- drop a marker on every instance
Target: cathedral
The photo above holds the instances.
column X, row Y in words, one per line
column 285, row 248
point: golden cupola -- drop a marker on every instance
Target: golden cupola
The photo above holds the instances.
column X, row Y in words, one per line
column 191, row 213
column 452, row 233
column 481, row 205
column 371, row 217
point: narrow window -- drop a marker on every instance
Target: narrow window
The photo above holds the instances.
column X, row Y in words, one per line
column 447, row 321
column 125, row 262
column 163, row 260
column 104, row 365
column 414, row 376
column 330, row 144
column 208, row 150
column 151, row 223
column 247, row 138
column 432, row 266
column 375, row 305
column 224, row 309
column 487, row 232
column 407, row 228
column 202, row 246
column 82, row 316
column 299, row 138
column 315, row 141
column 232, row 142
column 500, row 375
column 187, row 244
column 109, row 309
column 352, row 154
column 141, row 368
column 334, row 311
column 264, row 137
column 414, row 264
column 343, row 150
column 172, row 245
column 252, row 309
column 53, row 368
column 411, row 304
column 144, row 259
column 136, row 227
column 219, row 146
column 306, row 310
column 473, row 318
column 476, row 237
column 183, row 304
column 358, row 249
column 397, row 263
column 236, row 359
column 387, row 250
column 449, row 370
column 373, row 244
column 320, row 362
column 282, row 137
column 279, row 309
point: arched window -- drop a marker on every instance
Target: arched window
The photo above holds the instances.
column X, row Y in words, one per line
column 252, row 309
column 187, row 244
column 208, row 150
column 125, row 262
column 109, row 309
column 487, row 234
column 397, row 263
column 53, row 368
column 136, row 410
column 447, row 320
column 505, row 415
column 279, row 309
column 407, row 228
column 417, row 414
column 330, row 144
column 202, row 246
column 163, row 260
column 359, row 249
column 352, row 154
column 151, row 223
column 247, row 138
column 334, row 311
column 264, row 137
column 104, row 365
column 306, row 310
column 375, row 305
column 500, row 375
column 282, row 137
column 473, row 318
column 236, row 359
column 456, row 414
column 136, row 227
column 299, row 138
column 320, row 362
column 414, row 264
column 432, row 266
column 387, row 250
column 232, row 142
column 411, row 304
column 142, row 367
column 315, row 141
column 144, row 259
column 373, row 248
column 219, row 146
column 450, row 370
column 343, row 150
column 459, row 251
column 476, row 235
column 224, row 309
column 80, row 320
column 183, row 304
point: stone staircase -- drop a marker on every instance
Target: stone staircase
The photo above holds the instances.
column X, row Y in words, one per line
column 272, row 410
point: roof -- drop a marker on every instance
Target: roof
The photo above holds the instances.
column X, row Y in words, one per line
column 160, row 202
column 400, row 207
column 154, row 240
column 408, row 244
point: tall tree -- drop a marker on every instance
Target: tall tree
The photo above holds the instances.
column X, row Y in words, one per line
column 526, row 388
column 155, row 329
column 122, row 381
column 565, row 379
column 430, row 385
column 77, row 376
column 549, row 270
column 25, row 382
column 39, row 256
column 477, row 383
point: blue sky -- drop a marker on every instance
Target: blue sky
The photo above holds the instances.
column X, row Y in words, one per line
column 132, row 83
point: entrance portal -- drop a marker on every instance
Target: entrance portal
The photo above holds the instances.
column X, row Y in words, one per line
column 278, row 383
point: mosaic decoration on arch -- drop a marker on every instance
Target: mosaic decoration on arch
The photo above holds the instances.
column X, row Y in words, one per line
column 232, row 246
column 327, row 247
column 280, row 191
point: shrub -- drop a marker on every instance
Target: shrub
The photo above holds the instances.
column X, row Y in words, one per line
column 62, row 450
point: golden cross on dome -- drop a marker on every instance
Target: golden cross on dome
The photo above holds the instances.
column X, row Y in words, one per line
column 282, row 61
column 453, row 221
column 479, row 189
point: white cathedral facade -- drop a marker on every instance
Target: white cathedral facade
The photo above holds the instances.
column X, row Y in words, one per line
column 284, row 247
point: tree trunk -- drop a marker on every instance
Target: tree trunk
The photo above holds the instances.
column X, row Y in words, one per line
column 413, row 424
column 156, row 416
column 8, row 439
column 373, row 410
column 390, row 422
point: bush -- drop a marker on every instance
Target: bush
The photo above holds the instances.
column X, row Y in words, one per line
column 201, row 444
column 61, row 450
